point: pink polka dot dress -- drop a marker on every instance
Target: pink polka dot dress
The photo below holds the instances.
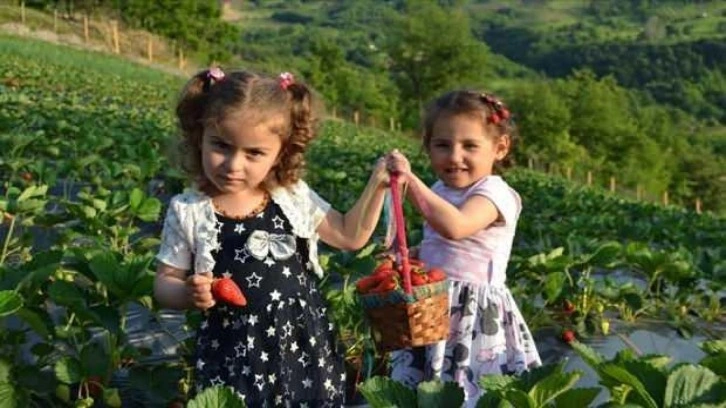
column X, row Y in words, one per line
column 488, row 334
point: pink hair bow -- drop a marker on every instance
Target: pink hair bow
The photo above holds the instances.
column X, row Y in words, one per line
column 216, row 74
column 286, row 79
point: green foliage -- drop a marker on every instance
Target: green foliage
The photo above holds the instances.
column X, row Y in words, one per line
column 429, row 55
column 643, row 381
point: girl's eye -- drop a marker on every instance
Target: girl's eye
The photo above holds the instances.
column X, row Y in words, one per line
column 471, row 147
column 219, row 144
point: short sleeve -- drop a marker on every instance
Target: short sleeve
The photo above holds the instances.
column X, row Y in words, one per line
column 174, row 250
column 318, row 208
column 505, row 198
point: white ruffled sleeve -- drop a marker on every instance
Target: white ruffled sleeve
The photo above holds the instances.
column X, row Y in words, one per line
column 318, row 208
column 175, row 249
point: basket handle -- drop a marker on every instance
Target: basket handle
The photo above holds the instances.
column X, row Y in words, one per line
column 402, row 247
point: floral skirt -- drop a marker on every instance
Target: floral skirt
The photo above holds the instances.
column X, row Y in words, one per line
column 488, row 336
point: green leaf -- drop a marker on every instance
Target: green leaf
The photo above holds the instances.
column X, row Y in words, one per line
column 94, row 360
column 588, row 354
column 605, row 255
column 554, row 283
column 66, row 294
column 149, row 210
column 112, row 398
column 107, row 270
column 35, row 379
column 496, row 383
column 577, row 397
column 5, row 369
column 38, row 319
column 11, row 397
column 652, row 377
column 10, row 302
column 550, row 387
column 382, row 392
column 686, row 384
column 68, row 370
column 135, row 198
column 717, row 364
column 216, row 397
column 617, row 374
column 436, row 394
column 529, row 378
column 519, row 399
column 714, row 346
column 159, row 382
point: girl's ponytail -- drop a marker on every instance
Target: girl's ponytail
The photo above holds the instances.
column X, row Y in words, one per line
column 303, row 123
column 190, row 112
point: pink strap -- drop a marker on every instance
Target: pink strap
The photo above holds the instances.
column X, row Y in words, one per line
column 400, row 234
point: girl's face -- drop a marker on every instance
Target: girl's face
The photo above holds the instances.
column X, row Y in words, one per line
column 461, row 151
column 238, row 154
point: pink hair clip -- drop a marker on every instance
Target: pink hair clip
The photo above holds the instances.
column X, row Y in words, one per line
column 286, row 79
column 216, row 74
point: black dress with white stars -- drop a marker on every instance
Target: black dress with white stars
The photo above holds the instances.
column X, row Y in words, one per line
column 280, row 349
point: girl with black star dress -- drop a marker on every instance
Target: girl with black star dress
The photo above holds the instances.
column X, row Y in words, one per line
column 252, row 219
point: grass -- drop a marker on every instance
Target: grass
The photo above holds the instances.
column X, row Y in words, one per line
column 133, row 44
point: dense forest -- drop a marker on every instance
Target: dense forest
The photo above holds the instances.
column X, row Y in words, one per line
column 633, row 89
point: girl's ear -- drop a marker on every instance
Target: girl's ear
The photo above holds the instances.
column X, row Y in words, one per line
column 501, row 149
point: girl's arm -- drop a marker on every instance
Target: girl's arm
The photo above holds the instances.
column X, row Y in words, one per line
column 475, row 214
column 170, row 287
column 352, row 230
column 174, row 290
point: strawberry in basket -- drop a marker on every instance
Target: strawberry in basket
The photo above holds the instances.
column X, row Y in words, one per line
column 387, row 276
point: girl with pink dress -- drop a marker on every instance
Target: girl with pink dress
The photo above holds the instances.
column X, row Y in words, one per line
column 471, row 217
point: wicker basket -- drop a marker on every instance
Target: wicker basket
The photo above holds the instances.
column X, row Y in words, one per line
column 413, row 316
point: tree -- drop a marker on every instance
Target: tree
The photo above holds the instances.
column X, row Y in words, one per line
column 432, row 50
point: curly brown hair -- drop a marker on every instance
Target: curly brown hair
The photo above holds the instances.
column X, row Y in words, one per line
column 206, row 100
column 476, row 104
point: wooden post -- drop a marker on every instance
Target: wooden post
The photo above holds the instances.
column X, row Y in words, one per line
column 698, row 205
column 114, row 29
column 391, row 124
column 181, row 59
column 55, row 20
column 612, row 184
column 150, row 48
column 85, row 27
column 568, row 173
column 665, row 197
column 356, row 118
column 22, row 12
column 638, row 192
column 530, row 163
column 589, row 178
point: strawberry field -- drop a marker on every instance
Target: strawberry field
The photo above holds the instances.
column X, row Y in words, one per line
column 85, row 179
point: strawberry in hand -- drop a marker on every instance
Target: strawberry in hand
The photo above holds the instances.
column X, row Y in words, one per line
column 225, row 290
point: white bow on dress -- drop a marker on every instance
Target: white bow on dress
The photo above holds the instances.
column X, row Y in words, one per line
column 261, row 243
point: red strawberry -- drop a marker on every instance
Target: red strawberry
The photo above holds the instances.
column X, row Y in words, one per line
column 226, row 290
column 568, row 307
column 386, row 285
column 418, row 279
column 384, row 266
column 436, row 275
column 568, row 336
column 367, row 283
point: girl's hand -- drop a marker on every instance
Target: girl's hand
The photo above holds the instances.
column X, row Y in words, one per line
column 380, row 173
column 199, row 287
column 397, row 162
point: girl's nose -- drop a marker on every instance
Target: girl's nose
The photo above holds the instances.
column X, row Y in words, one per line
column 235, row 162
column 456, row 155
